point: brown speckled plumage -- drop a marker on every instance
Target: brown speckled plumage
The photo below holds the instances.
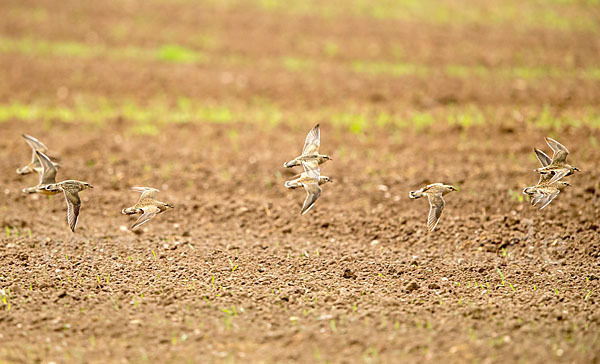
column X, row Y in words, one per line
column 311, row 180
column 310, row 152
column 558, row 166
column 434, row 193
column 71, row 189
column 47, row 176
column 34, row 165
column 545, row 191
column 147, row 205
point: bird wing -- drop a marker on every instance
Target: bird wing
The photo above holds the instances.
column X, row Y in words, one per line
column 436, row 205
column 147, row 192
column 560, row 151
column 35, row 145
column 149, row 212
column 48, row 174
column 542, row 157
column 547, row 198
column 73, row 206
column 558, row 174
column 312, row 170
column 545, row 177
column 313, row 191
column 312, row 142
column 537, row 197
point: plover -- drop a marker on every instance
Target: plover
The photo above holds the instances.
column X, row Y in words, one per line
column 545, row 191
column 434, row 193
column 147, row 205
column 47, row 175
column 310, row 152
column 310, row 179
column 558, row 166
column 71, row 189
column 34, row 165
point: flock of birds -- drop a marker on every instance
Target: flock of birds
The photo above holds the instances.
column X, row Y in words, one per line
column 551, row 173
column 147, row 205
column 548, row 187
column 550, row 184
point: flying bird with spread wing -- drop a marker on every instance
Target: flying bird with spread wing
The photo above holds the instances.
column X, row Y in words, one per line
column 34, row 165
column 311, row 180
column 544, row 191
column 558, row 165
column 434, row 193
column 310, row 152
column 148, row 206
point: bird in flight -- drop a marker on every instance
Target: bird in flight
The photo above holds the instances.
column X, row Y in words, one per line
column 434, row 193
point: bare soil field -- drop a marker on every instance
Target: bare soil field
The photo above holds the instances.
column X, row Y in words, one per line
column 205, row 101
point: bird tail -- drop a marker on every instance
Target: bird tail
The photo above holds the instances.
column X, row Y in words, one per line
column 290, row 164
column 415, row 194
column 29, row 190
column 23, row 170
column 290, row 184
column 128, row 211
column 529, row 190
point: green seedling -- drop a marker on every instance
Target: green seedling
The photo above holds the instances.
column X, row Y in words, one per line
column 515, row 195
column 501, row 275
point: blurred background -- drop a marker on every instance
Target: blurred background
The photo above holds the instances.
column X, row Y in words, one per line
column 353, row 63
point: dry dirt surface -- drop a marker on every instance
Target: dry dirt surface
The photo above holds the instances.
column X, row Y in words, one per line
column 205, row 101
